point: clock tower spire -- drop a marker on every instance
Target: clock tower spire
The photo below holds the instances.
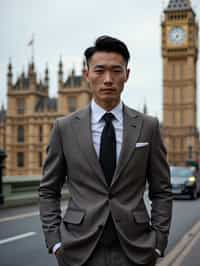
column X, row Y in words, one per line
column 180, row 54
column 178, row 5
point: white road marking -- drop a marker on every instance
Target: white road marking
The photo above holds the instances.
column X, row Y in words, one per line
column 14, row 238
column 20, row 216
column 183, row 247
column 187, row 250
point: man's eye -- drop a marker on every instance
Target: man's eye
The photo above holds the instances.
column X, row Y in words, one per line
column 117, row 70
column 98, row 71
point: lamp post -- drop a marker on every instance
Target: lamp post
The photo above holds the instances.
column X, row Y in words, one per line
column 2, row 157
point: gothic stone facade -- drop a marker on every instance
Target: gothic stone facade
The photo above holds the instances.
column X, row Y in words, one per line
column 26, row 124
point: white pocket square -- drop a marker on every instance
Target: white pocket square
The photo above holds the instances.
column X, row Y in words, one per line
column 141, row 144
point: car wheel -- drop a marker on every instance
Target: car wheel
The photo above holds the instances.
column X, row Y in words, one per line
column 194, row 194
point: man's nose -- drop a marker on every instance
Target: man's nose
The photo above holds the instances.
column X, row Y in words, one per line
column 108, row 77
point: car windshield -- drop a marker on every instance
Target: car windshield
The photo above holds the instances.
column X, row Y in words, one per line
column 180, row 171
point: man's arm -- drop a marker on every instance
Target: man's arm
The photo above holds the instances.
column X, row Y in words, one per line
column 159, row 189
column 54, row 173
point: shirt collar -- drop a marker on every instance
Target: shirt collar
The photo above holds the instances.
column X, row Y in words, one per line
column 98, row 111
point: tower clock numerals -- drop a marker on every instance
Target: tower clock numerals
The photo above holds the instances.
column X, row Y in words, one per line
column 177, row 36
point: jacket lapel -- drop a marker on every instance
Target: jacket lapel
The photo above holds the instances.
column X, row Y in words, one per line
column 131, row 130
column 82, row 130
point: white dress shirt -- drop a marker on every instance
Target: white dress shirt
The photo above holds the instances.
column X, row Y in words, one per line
column 97, row 125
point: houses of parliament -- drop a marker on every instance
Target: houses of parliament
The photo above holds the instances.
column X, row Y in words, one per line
column 26, row 124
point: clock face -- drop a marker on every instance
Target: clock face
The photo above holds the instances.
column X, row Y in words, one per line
column 177, row 35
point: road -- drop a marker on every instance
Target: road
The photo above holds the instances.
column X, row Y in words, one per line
column 186, row 213
column 22, row 242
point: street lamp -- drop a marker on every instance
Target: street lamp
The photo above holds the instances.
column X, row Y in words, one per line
column 2, row 157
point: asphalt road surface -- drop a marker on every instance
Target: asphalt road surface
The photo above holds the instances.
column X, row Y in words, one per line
column 22, row 242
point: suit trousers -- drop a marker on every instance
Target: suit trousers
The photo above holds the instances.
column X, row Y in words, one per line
column 106, row 256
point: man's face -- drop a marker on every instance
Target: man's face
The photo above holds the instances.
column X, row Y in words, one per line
column 106, row 74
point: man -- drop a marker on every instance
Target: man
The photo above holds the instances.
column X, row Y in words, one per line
column 106, row 153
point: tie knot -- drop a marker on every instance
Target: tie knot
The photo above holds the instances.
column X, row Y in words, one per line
column 108, row 117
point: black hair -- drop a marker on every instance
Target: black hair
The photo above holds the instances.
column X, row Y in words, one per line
column 107, row 44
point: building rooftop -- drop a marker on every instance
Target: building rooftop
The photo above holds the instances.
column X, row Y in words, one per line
column 73, row 81
column 175, row 5
column 21, row 82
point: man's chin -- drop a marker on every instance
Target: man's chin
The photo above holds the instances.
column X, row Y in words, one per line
column 110, row 101
column 109, row 97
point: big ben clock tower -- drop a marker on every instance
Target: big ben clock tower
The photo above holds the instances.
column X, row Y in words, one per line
column 180, row 54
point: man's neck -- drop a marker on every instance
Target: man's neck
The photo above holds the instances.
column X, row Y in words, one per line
column 107, row 106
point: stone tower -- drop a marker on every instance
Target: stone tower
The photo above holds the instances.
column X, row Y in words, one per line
column 74, row 93
column 26, row 125
column 180, row 54
column 21, row 130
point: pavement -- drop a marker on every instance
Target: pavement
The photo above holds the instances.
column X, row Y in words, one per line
column 25, row 199
column 186, row 252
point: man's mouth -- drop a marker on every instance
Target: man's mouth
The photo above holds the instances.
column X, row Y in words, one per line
column 108, row 90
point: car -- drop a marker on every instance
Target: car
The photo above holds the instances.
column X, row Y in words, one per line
column 185, row 181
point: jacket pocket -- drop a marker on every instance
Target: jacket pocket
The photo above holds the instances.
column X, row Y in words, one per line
column 141, row 217
column 73, row 216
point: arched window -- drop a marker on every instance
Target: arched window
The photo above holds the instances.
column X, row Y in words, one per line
column 40, row 134
column 20, row 106
column 72, row 103
column 20, row 159
column 40, row 159
column 20, row 134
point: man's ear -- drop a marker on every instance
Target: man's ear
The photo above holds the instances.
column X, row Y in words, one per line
column 127, row 74
column 86, row 73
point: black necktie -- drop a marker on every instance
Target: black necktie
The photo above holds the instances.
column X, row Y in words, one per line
column 107, row 160
column 107, row 156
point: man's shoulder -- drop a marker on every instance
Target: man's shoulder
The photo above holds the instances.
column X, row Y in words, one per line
column 145, row 117
column 69, row 117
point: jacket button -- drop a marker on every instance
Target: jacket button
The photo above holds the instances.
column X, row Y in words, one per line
column 110, row 195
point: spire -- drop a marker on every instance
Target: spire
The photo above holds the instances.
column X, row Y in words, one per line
column 145, row 108
column 46, row 78
column 9, row 75
column 60, row 71
column 72, row 78
column 176, row 5
column 40, row 80
column 31, row 73
column 23, row 73
column 83, row 81
column 83, row 66
column 10, row 66
column 73, row 72
column 31, row 68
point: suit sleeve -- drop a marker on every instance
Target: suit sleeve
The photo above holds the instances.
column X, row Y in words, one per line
column 159, row 189
column 53, row 177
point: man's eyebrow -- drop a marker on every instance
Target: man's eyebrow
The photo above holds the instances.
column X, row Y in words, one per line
column 111, row 66
column 117, row 66
column 98, row 66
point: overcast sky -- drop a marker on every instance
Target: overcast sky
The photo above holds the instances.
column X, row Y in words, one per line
column 65, row 28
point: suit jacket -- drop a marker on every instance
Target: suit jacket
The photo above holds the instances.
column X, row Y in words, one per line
column 71, row 157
